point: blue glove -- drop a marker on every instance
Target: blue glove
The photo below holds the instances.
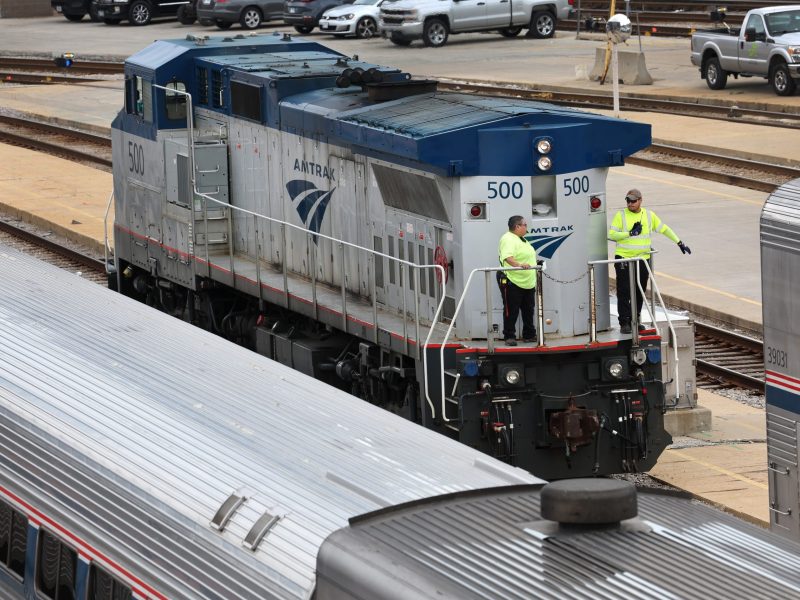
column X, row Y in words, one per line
column 684, row 248
column 636, row 229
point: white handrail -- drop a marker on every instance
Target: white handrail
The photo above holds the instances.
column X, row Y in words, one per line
column 106, row 247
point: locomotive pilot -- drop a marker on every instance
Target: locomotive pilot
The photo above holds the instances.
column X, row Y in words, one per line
column 631, row 229
column 517, row 287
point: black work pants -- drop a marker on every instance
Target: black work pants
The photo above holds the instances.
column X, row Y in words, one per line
column 624, row 290
column 516, row 299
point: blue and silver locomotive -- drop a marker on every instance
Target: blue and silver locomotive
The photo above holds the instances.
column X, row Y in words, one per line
column 343, row 218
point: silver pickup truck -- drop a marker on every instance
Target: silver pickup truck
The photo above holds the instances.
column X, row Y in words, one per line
column 403, row 21
column 767, row 46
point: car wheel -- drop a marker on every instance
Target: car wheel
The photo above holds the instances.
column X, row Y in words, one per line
column 543, row 25
column 93, row 14
column 435, row 33
column 781, row 81
column 251, row 18
column 398, row 40
column 223, row 24
column 186, row 15
column 510, row 32
column 366, row 28
column 74, row 18
column 303, row 28
column 111, row 21
column 715, row 77
column 140, row 13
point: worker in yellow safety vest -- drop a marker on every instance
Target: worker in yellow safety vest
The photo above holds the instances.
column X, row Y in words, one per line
column 631, row 229
column 518, row 288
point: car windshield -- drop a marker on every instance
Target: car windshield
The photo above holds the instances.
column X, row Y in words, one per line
column 786, row 21
column 367, row 2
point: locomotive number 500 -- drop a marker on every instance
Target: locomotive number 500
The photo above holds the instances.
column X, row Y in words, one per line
column 136, row 158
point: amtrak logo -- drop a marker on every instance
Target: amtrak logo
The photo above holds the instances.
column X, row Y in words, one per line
column 311, row 203
column 546, row 245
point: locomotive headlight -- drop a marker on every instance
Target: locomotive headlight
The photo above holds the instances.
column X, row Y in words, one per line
column 544, row 146
column 544, row 163
column 512, row 377
column 615, row 369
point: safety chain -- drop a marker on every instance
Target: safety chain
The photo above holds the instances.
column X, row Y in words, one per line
column 578, row 278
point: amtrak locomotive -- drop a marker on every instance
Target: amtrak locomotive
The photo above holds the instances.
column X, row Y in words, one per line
column 343, row 218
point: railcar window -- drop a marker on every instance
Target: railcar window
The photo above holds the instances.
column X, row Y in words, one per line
column 246, row 101
column 216, row 89
column 202, row 85
column 175, row 101
column 13, row 539
column 56, row 564
column 103, row 586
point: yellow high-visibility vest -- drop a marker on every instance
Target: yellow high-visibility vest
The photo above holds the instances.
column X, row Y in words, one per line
column 637, row 246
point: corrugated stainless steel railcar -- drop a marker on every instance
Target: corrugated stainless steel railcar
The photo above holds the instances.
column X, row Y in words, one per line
column 145, row 458
column 340, row 217
column 780, row 284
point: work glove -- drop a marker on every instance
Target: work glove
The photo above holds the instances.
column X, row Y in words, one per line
column 684, row 248
column 636, row 229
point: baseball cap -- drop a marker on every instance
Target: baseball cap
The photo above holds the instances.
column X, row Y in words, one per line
column 633, row 194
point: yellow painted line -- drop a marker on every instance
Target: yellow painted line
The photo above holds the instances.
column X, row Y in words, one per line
column 707, row 288
column 731, row 474
column 700, row 189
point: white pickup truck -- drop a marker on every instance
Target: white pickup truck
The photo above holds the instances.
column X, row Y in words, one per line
column 767, row 46
column 404, row 21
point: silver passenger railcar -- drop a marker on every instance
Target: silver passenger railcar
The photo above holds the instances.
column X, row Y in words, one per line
column 145, row 458
column 343, row 219
column 780, row 283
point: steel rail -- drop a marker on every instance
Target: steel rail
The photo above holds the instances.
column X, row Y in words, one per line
column 41, row 78
column 78, row 65
column 729, row 346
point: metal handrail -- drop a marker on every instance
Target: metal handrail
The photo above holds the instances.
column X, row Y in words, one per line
column 490, row 341
column 106, row 248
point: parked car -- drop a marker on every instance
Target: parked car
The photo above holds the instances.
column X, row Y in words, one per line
column 359, row 19
column 304, row 15
column 767, row 46
column 138, row 12
column 434, row 20
column 74, row 10
column 250, row 14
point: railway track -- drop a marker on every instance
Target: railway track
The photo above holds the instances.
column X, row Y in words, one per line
column 725, row 359
column 55, row 252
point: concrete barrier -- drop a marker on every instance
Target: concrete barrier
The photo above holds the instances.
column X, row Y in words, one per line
column 10, row 9
column 632, row 68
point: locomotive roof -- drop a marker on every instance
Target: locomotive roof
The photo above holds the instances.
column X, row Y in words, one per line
column 445, row 133
column 169, row 420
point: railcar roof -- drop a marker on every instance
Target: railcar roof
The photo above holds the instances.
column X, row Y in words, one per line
column 783, row 205
column 181, row 419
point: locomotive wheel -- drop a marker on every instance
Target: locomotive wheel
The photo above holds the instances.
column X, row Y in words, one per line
column 303, row 28
column 140, row 13
column 435, row 33
column 543, row 24
column 781, row 81
column 366, row 28
column 251, row 18
column 715, row 77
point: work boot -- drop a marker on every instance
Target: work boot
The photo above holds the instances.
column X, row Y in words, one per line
column 625, row 328
column 511, row 342
column 642, row 327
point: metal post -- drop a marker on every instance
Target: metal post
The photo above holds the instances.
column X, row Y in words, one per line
column 403, row 277
column 652, row 293
column 592, row 307
column 313, row 267
column 284, row 265
column 578, row 31
column 230, row 245
column 344, row 289
column 258, row 263
column 374, row 283
column 416, row 308
column 633, row 279
column 539, row 310
column 489, row 330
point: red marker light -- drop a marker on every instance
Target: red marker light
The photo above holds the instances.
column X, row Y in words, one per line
column 595, row 202
column 476, row 210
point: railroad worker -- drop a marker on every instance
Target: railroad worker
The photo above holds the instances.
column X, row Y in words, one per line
column 631, row 229
column 517, row 287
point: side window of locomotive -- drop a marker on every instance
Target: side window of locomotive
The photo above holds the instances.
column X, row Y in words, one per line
column 103, row 586
column 202, row 85
column 56, row 564
column 246, row 101
column 138, row 98
column 175, row 100
column 13, row 539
